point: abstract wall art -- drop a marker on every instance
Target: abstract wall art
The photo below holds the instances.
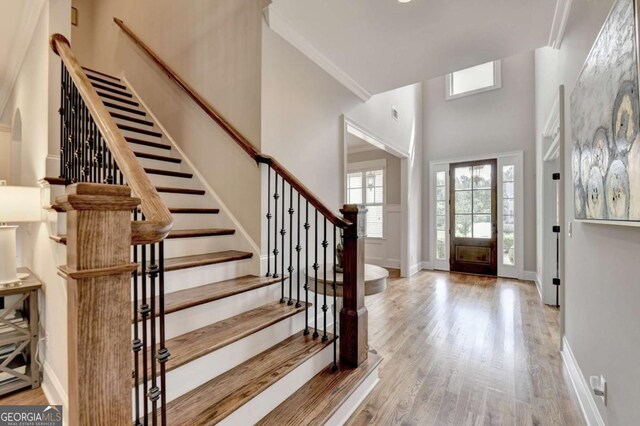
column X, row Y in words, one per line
column 605, row 123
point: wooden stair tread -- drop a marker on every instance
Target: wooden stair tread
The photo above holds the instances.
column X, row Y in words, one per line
column 117, row 98
column 168, row 173
column 173, row 234
column 170, row 190
column 124, row 108
column 318, row 399
column 133, row 129
column 108, row 88
column 147, row 143
column 198, row 343
column 189, row 210
column 101, row 73
column 106, row 81
column 184, row 262
column 190, row 297
column 193, row 233
column 130, row 118
column 213, row 401
column 55, row 181
column 157, row 157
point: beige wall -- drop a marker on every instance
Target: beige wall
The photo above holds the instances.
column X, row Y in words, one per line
column 601, row 280
column 392, row 171
column 5, row 152
column 216, row 47
column 492, row 122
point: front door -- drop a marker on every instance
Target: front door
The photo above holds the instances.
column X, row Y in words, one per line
column 473, row 218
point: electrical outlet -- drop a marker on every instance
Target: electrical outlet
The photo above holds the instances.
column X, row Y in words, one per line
column 599, row 387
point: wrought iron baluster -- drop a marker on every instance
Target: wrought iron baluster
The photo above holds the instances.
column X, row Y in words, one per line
column 275, row 228
column 315, row 273
column 61, row 111
column 306, row 269
column 144, row 312
column 290, row 269
column 335, row 306
column 268, row 221
column 137, row 343
column 298, row 249
column 154, row 392
column 325, row 244
column 163, row 353
column 283, row 232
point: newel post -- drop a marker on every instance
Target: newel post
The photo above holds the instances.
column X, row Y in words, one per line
column 98, row 274
column 354, row 342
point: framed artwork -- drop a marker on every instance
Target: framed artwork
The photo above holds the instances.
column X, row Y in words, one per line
column 605, row 123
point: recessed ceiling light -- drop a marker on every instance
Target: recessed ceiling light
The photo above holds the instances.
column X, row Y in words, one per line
column 404, row 1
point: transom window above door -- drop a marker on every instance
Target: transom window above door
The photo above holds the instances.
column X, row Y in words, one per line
column 367, row 187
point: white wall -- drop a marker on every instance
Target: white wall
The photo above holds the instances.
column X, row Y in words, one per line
column 36, row 96
column 302, row 125
column 491, row 122
column 215, row 47
column 602, row 284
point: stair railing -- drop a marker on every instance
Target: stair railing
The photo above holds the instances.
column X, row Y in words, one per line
column 102, row 171
column 294, row 242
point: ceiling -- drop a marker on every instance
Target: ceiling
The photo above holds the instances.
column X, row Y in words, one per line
column 383, row 44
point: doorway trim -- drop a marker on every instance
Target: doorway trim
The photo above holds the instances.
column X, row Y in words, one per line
column 515, row 158
column 351, row 126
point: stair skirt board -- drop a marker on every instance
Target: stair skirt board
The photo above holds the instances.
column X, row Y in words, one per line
column 201, row 370
column 354, row 400
column 195, row 317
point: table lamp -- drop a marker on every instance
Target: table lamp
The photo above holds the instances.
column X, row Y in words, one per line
column 17, row 204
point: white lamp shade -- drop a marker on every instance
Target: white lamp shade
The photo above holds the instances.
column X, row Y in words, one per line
column 20, row 204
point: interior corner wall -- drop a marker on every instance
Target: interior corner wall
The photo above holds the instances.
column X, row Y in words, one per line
column 216, row 47
column 491, row 122
column 302, row 108
column 35, row 98
column 601, row 281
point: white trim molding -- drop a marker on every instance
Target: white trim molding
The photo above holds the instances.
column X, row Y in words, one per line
column 559, row 24
column 22, row 41
column 287, row 31
column 52, row 387
column 581, row 387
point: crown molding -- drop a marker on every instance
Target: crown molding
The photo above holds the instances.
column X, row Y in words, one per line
column 287, row 31
column 559, row 24
column 22, row 40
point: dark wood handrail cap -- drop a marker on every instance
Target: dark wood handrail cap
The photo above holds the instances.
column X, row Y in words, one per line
column 55, row 39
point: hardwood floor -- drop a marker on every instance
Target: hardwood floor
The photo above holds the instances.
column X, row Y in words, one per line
column 466, row 350
column 25, row 397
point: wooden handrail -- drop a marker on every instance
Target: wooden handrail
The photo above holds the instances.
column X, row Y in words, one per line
column 158, row 221
column 234, row 133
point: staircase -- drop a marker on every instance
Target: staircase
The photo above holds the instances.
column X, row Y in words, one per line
column 239, row 355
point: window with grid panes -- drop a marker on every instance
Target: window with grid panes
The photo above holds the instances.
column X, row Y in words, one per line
column 367, row 187
column 508, row 215
column 441, row 216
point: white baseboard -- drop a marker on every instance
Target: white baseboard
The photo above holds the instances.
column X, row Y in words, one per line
column 529, row 275
column 53, row 389
column 385, row 263
column 583, row 392
column 539, row 286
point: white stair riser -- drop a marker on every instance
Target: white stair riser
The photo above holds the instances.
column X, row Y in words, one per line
column 263, row 403
column 196, row 317
column 174, row 247
column 150, row 149
column 174, row 182
column 162, row 165
column 197, row 221
column 201, row 370
column 201, row 275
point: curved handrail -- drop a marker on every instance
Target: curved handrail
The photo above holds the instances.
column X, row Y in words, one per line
column 234, row 133
column 158, row 220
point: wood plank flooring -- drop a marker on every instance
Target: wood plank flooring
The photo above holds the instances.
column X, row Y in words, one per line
column 466, row 350
column 25, row 397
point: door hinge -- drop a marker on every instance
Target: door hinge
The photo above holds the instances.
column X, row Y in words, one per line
column 556, row 176
column 556, row 281
column 556, row 229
